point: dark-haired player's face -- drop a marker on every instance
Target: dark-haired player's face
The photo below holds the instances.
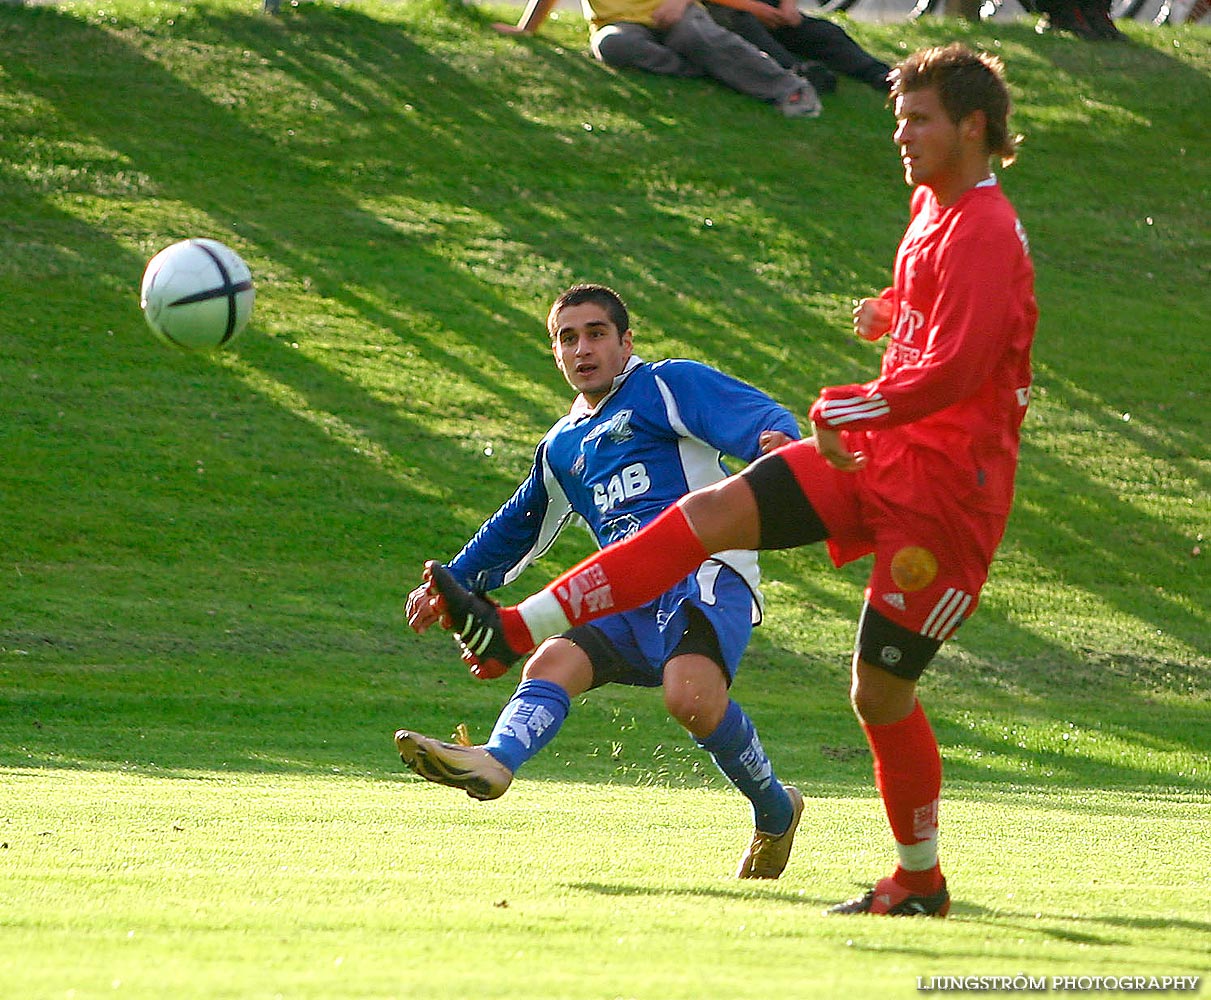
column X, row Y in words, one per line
column 929, row 141
column 588, row 349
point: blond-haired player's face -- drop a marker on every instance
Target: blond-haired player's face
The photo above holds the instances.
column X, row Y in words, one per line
column 589, row 349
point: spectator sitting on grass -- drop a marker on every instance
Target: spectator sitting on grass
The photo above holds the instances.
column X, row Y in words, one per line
column 679, row 38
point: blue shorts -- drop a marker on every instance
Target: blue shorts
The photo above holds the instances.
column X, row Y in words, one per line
column 639, row 643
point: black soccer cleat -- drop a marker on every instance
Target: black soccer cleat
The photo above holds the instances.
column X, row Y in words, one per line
column 476, row 624
column 891, row 899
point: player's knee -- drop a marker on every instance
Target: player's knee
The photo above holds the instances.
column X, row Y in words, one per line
column 683, row 702
column 696, row 709
column 866, row 703
column 561, row 662
column 878, row 697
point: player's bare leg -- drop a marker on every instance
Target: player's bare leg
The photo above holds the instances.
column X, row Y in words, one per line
column 696, row 694
column 724, row 515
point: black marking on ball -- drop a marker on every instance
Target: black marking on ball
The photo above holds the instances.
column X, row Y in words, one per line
column 228, row 289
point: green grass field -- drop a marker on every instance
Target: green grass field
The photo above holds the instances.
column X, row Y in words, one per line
column 202, row 647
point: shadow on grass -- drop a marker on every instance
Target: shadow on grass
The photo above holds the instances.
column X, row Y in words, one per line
column 1036, row 923
column 376, row 182
column 1043, row 924
column 741, row 891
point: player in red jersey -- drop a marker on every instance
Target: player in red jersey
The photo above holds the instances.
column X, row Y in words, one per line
column 915, row 466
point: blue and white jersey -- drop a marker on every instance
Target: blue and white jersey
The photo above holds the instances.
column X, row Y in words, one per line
column 659, row 434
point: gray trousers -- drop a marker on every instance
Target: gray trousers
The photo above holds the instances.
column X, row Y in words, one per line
column 695, row 46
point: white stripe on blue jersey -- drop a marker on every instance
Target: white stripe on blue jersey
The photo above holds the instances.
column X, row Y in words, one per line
column 660, row 433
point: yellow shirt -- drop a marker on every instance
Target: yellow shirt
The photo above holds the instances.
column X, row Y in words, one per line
column 603, row 12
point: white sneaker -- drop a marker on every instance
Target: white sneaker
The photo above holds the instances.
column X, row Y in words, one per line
column 801, row 103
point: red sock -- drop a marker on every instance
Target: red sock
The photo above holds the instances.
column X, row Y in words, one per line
column 632, row 572
column 924, row 883
column 516, row 634
column 908, row 774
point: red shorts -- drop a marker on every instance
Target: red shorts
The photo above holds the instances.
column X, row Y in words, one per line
column 929, row 565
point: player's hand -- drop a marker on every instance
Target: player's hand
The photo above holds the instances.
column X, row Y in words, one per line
column 424, row 608
column 831, row 445
column 872, row 318
column 772, row 440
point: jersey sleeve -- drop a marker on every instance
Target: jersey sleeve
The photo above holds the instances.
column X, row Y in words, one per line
column 726, row 413
column 965, row 334
column 519, row 532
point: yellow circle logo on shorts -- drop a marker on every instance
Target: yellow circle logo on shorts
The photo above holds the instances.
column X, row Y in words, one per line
column 913, row 568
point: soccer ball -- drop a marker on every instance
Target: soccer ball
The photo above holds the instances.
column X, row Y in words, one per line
column 197, row 295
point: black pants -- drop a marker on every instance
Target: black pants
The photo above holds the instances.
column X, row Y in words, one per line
column 813, row 38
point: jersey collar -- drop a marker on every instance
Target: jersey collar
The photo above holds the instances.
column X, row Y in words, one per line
column 580, row 407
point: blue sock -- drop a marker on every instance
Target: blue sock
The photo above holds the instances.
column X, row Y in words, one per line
column 528, row 722
column 739, row 755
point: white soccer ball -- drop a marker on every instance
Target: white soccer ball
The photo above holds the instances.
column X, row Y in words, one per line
column 197, row 295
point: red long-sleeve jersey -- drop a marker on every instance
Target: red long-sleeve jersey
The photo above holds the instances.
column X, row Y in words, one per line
column 940, row 424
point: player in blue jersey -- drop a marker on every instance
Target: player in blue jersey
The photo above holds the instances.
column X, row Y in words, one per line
column 638, row 437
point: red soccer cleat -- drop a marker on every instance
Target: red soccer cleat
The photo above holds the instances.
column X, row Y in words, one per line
column 890, row 898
